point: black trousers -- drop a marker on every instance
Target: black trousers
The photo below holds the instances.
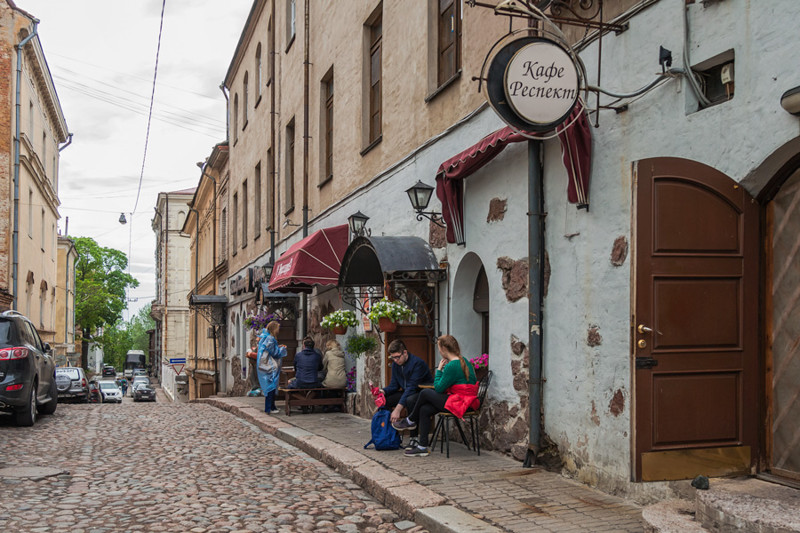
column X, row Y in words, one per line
column 428, row 404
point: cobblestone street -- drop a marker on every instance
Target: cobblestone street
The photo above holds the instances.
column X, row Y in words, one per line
column 171, row 467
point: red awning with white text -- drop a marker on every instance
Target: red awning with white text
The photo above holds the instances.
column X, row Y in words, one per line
column 315, row 260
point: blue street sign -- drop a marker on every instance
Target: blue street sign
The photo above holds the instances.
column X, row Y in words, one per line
column 178, row 361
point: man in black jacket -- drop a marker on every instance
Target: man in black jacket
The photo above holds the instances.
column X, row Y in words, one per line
column 408, row 373
column 307, row 364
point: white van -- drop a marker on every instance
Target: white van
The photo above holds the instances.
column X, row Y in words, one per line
column 133, row 359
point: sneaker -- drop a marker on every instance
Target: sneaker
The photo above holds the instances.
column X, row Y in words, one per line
column 417, row 451
column 274, row 411
column 413, row 443
column 404, row 423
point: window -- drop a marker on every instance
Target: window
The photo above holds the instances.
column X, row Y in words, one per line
column 30, row 119
column 259, row 74
column 270, row 190
column 244, row 214
column 449, row 39
column 54, row 175
column 42, row 301
column 289, row 183
column 44, row 149
column 235, row 221
column 291, row 19
column 30, row 213
column 43, row 226
column 235, row 118
column 257, row 203
column 223, row 233
column 327, row 125
column 375, row 35
column 244, row 98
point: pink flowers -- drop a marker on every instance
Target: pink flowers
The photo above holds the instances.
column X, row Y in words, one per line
column 480, row 361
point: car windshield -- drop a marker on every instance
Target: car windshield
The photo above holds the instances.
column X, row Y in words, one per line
column 73, row 373
column 141, row 380
column 105, row 385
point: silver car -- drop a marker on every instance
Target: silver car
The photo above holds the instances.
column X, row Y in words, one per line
column 71, row 383
column 109, row 392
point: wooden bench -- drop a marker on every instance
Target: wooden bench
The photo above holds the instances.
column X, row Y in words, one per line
column 312, row 397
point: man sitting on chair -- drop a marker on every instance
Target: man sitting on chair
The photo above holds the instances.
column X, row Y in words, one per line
column 408, row 373
column 307, row 364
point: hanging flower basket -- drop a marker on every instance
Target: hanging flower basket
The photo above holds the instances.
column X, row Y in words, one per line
column 339, row 321
column 387, row 313
column 386, row 324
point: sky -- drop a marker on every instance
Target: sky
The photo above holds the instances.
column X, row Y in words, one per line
column 102, row 56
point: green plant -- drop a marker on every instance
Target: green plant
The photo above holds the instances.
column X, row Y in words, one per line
column 360, row 344
column 393, row 310
column 341, row 318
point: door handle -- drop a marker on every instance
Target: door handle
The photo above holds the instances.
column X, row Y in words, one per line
column 641, row 328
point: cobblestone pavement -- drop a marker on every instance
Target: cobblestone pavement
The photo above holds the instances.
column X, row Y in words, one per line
column 491, row 487
column 171, row 467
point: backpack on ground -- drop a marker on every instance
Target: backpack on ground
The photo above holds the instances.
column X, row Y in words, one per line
column 384, row 436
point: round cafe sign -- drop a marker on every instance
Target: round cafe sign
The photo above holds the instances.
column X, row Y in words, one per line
column 533, row 83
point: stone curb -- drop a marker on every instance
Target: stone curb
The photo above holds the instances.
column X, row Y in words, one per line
column 399, row 493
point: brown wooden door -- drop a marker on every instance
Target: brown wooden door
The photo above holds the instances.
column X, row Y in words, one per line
column 696, row 288
column 417, row 342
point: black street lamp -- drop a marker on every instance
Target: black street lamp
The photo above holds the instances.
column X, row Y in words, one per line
column 420, row 196
column 358, row 222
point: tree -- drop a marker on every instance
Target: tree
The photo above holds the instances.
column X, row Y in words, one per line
column 123, row 336
column 100, row 288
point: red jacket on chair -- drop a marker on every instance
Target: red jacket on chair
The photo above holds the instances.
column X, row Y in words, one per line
column 462, row 398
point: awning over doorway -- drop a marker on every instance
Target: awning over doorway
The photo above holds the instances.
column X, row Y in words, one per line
column 576, row 148
column 370, row 261
column 315, row 260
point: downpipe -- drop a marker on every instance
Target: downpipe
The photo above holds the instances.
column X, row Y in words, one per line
column 17, row 117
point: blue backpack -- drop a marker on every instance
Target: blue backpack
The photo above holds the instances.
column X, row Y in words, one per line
column 384, row 436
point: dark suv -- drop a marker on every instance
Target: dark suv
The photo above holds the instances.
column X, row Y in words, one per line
column 27, row 370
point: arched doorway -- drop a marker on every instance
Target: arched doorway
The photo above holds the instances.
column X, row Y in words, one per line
column 470, row 307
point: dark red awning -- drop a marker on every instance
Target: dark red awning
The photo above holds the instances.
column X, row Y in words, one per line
column 576, row 147
column 315, row 260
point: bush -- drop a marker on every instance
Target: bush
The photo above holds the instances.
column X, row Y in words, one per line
column 359, row 344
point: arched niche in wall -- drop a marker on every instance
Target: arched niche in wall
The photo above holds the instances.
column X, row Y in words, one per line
column 468, row 325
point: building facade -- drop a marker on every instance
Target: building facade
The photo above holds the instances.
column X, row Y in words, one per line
column 170, row 308
column 668, row 320
column 64, row 339
column 34, row 130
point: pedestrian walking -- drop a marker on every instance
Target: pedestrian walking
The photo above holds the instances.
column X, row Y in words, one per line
column 270, row 354
column 124, row 386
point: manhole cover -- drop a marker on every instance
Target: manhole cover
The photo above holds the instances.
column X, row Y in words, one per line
column 20, row 472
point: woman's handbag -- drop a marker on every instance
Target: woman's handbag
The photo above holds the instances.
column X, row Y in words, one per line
column 267, row 364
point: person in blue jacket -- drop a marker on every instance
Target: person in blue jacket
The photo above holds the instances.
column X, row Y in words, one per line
column 307, row 364
column 408, row 373
column 268, row 379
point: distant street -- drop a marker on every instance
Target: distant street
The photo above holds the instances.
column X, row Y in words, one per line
column 170, row 467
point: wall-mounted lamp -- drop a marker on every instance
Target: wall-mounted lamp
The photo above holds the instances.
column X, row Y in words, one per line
column 268, row 271
column 122, row 219
column 790, row 101
column 420, row 196
column 288, row 222
column 358, row 225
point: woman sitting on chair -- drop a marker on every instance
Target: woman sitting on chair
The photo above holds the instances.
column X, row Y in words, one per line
column 455, row 389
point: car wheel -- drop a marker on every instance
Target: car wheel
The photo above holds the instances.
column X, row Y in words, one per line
column 27, row 415
column 50, row 407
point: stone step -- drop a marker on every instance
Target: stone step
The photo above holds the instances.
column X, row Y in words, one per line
column 748, row 504
column 670, row 516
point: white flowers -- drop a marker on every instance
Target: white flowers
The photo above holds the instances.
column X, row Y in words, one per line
column 341, row 318
column 393, row 310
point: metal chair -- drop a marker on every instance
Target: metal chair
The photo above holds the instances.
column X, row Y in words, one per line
column 442, row 428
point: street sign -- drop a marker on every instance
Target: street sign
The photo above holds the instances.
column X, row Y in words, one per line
column 178, row 368
column 177, row 360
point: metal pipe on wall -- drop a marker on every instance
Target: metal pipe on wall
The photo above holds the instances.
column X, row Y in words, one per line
column 17, row 118
column 536, row 217
column 306, row 84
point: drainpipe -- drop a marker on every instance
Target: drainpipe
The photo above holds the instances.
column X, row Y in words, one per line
column 536, row 216
column 227, row 108
column 17, row 113
column 69, row 141
column 194, row 290
column 306, row 74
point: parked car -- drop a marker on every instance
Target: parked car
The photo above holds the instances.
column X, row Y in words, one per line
column 143, row 391
column 109, row 372
column 140, row 379
column 109, row 392
column 139, row 372
column 94, row 392
column 27, row 370
column 71, row 383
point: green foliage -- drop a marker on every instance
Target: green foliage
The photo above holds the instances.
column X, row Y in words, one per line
column 100, row 285
column 360, row 344
column 122, row 336
column 342, row 317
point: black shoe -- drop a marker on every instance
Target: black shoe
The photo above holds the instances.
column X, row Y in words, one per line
column 417, row 451
column 413, row 443
column 404, row 423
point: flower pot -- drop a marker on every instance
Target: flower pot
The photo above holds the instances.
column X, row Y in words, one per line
column 339, row 330
column 480, row 373
column 386, row 325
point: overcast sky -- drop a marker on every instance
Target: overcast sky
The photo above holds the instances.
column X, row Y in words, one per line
column 102, row 54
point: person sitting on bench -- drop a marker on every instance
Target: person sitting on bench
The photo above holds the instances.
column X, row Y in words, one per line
column 307, row 364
